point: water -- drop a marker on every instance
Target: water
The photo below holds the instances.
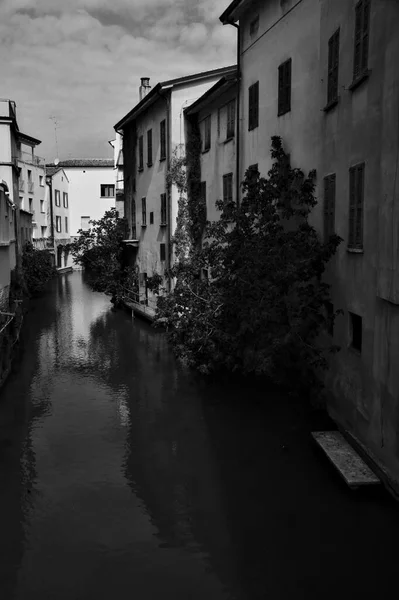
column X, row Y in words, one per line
column 122, row 475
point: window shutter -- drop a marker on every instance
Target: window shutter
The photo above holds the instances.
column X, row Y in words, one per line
column 365, row 34
column 332, row 206
column 326, row 206
column 250, row 108
column 352, row 206
column 256, row 104
column 288, row 86
column 280, row 88
column 224, row 188
column 358, row 40
column 359, row 206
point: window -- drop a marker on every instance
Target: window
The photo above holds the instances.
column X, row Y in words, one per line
column 162, row 135
column 355, row 325
column 228, row 187
column 162, row 251
column 29, row 175
column 106, row 191
column 43, row 231
column 362, row 25
column 149, row 148
column 254, row 26
column 134, row 232
column 207, row 134
column 141, row 153
column 231, row 113
column 66, row 224
column 41, row 180
column 202, row 192
column 333, row 64
column 42, row 206
column 329, row 206
column 253, row 171
column 134, row 184
column 163, row 209
column 253, row 106
column 58, row 224
column 151, row 218
column 356, row 198
column 144, row 212
column 65, row 199
column 30, row 204
column 284, row 87
column 57, row 197
column 84, row 223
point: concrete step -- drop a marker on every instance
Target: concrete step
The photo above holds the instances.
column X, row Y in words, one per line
column 345, row 459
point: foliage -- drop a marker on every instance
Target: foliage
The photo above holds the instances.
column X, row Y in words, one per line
column 262, row 309
column 99, row 250
column 37, row 269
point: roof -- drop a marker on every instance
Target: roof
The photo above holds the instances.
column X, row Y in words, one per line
column 170, row 83
column 28, row 139
column 221, row 86
column 231, row 14
column 86, row 162
column 52, row 170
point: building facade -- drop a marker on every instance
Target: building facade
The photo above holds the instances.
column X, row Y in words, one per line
column 32, row 186
column 153, row 132
column 91, row 190
column 117, row 145
column 57, row 199
column 212, row 119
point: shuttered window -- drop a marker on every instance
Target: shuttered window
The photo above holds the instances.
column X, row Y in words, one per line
column 253, row 106
column 284, row 87
column 163, row 209
column 333, row 67
column 134, row 232
column 356, row 202
column 228, row 187
column 207, row 133
column 149, row 148
column 144, row 212
column 231, row 113
column 203, row 193
column 362, row 27
column 141, row 153
column 162, row 251
column 329, row 206
column 162, row 134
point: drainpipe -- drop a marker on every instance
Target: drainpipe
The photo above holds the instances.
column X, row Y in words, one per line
column 238, row 112
column 166, row 97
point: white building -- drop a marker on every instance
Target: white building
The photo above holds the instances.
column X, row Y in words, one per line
column 91, row 190
column 57, row 196
column 151, row 132
column 32, row 185
column 117, row 145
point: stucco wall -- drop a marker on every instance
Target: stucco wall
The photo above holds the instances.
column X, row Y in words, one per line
column 84, row 193
column 37, row 194
column 363, row 127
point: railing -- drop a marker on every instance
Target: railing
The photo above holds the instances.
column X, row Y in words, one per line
column 21, row 185
column 31, row 187
column 32, row 159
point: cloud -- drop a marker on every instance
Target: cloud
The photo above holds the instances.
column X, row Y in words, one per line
column 81, row 61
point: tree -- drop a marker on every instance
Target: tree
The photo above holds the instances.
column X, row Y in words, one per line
column 100, row 251
column 37, row 269
column 261, row 310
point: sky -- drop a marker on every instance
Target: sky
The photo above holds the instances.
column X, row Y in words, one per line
column 73, row 67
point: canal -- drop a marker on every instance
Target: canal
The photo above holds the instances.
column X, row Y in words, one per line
column 122, row 475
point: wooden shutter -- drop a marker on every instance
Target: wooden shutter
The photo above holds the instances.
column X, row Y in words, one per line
column 141, row 152
column 250, row 107
column 256, row 104
column 326, row 207
column 149, row 147
column 163, row 138
column 359, row 206
column 288, row 85
column 352, row 207
column 365, row 34
column 144, row 211
column 162, row 251
column 333, row 65
column 358, row 40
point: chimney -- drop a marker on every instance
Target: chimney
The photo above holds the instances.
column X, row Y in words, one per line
column 144, row 87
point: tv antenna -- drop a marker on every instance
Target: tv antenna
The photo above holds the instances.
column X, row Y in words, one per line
column 55, row 121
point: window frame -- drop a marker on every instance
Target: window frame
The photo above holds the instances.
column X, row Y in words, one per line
column 207, row 142
column 357, row 347
column 284, row 87
column 57, row 194
column 66, row 224
column 103, row 188
column 356, row 207
column 227, row 188
column 162, row 252
column 253, row 106
column 65, row 197
column 58, row 221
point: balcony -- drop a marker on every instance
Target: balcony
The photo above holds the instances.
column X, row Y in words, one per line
column 30, row 159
